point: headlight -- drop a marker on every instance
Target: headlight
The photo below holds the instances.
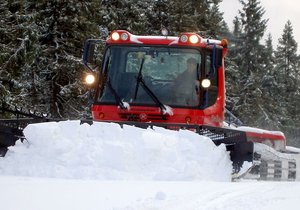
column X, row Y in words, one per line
column 90, row 79
column 194, row 39
column 115, row 36
column 205, row 83
column 124, row 36
column 184, row 38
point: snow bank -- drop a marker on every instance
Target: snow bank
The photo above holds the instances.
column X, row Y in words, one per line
column 105, row 151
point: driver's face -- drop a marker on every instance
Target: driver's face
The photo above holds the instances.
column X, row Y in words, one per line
column 191, row 66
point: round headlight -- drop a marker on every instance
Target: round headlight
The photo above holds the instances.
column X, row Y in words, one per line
column 124, row 36
column 90, row 79
column 115, row 36
column 184, row 38
column 205, row 83
column 194, row 39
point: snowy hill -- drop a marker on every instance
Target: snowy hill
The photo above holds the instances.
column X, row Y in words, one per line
column 66, row 165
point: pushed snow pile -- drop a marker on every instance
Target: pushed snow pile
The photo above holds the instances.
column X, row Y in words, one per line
column 108, row 152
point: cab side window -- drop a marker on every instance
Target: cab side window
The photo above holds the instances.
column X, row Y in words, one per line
column 211, row 73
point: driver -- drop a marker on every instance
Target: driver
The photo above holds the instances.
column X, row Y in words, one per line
column 186, row 85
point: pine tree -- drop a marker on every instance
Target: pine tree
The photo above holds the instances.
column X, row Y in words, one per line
column 233, row 74
column 63, row 26
column 7, row 51
column 16, row 41
column 180, row 17
column 216, row 26
column 268, row 55
column 287, row 71
column 286, row 56
column 127, row 15
column 203, row 17
column 42, row 54
column 270, row 92
column 254, row 27
column 250, row 27
column 158, row 16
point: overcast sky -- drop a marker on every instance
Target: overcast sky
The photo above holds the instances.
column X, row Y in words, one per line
column 277, row 11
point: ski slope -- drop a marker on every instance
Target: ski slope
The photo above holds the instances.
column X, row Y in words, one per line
column 67, row 166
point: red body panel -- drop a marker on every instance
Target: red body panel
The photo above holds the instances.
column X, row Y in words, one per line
column 210, row 116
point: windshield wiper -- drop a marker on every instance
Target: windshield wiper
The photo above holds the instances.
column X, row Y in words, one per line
column 139, row 77
column 117, row 97
column 113, row 91
column 140, row 80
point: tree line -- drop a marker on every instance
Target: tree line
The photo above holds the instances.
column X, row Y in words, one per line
column 42, row 41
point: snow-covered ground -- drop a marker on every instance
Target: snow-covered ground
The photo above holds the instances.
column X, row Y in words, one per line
column 70, row 166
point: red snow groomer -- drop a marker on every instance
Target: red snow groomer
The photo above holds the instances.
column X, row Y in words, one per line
column 178, row 82
column 175, row 82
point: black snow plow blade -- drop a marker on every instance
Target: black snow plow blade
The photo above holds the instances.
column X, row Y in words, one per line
column 8, row 137
column 12, row 129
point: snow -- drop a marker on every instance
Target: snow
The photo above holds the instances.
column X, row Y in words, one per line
column 126, row 105
column 108, row 152
column 66, row 165
column 168, row 110
column 258, row 130
column 293, row 149
column 48, row 194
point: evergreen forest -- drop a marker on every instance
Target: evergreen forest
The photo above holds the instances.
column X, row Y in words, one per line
column 42, row 43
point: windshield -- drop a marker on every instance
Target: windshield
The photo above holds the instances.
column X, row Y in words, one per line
column 171, row 74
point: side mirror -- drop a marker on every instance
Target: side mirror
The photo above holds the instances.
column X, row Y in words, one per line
column 218, row 57
column 88, row 52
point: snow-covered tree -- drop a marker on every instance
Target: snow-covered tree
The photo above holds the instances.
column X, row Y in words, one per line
column 42, row 52
column 286, row 56
column 248, row 57
column 16, row 56
column 232, row 63
column 63, row 27
column 287, row 78
column 253, row 26
column 197, row 16
column 127, row 15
